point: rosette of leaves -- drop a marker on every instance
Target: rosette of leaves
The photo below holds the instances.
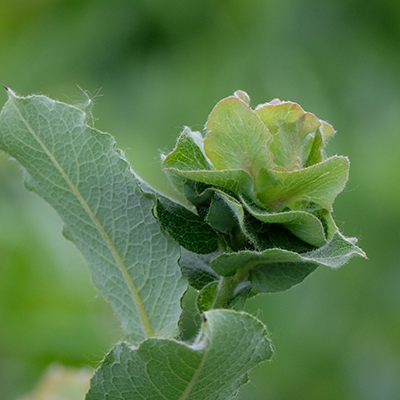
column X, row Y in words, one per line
column 259, row 189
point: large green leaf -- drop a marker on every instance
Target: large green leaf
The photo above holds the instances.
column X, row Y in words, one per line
column 212, row 368
column 77, row 170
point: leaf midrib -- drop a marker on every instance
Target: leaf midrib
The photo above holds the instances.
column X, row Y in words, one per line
column 120, row 262
column 189, row 387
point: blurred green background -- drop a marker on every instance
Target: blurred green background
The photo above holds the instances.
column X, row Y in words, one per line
column 164, row 64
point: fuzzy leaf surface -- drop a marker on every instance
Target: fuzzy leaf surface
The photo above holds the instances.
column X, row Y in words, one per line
column 205, row 298
column 214, row 367
column 304, row 225
column 319, row 184
column 237, row 139
column 187, row 228
column 188, row 161
column 276, row 270
column 77, row 170
column 196, row 268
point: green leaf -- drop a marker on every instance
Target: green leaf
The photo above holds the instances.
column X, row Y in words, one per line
column 205, row 298
column 236, row 181
column 287, row 144
column 230, row 344
column 262, row 233
column 336, row 252
column 237, row 139
column 187, row 161
column 77, row 170
column 188, row 155
column 187, row 228
column 221, row 217
column 298, row 137
column 270, row 278
column 277, row 270
column 196, row 267
column 304, row 225
column 318, row 184
column 275, row 111
column 315, row 151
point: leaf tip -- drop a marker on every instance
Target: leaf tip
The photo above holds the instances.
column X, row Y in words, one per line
column 5, row 87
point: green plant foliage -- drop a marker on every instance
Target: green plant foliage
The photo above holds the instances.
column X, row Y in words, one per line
column 205, row 298
column 276, row 270
column 196, row 267
column 261, row 180
column 257, row 218
column 187, row 228
column 78, row 171
column 213, row 367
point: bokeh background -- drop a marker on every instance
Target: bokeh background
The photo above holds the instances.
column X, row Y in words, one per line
column 152, row 66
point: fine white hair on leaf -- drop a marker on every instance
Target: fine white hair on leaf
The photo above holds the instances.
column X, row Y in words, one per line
column 86, row 103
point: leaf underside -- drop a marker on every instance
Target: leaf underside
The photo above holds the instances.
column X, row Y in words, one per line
column 214, row 367
column 78, row 171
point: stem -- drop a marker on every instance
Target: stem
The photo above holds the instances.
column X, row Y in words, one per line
column 226, row 287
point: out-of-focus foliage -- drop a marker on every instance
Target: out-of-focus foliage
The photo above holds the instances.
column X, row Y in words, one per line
column 165, row 64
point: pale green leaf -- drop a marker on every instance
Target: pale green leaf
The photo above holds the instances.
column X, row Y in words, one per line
column 236, row 181
column 212, row 368
column 314, row 153
column 237, row 139
column 188, row 155
column 188, row 161
column 287, row 144
column 275, row 111
column 318, row 184
column 77, row 170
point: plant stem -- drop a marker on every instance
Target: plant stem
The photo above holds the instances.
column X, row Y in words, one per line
column 225, row 290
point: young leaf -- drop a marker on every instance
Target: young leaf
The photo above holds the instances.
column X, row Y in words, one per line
column 287, row 144
column 205, row 298
column 305, row 228
column 319, row 184
column 276, row 270
column 230, row 344
column 236, row 181
column 77, row 170
column 304, row 225
column 273, row 112
column 237, row 138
